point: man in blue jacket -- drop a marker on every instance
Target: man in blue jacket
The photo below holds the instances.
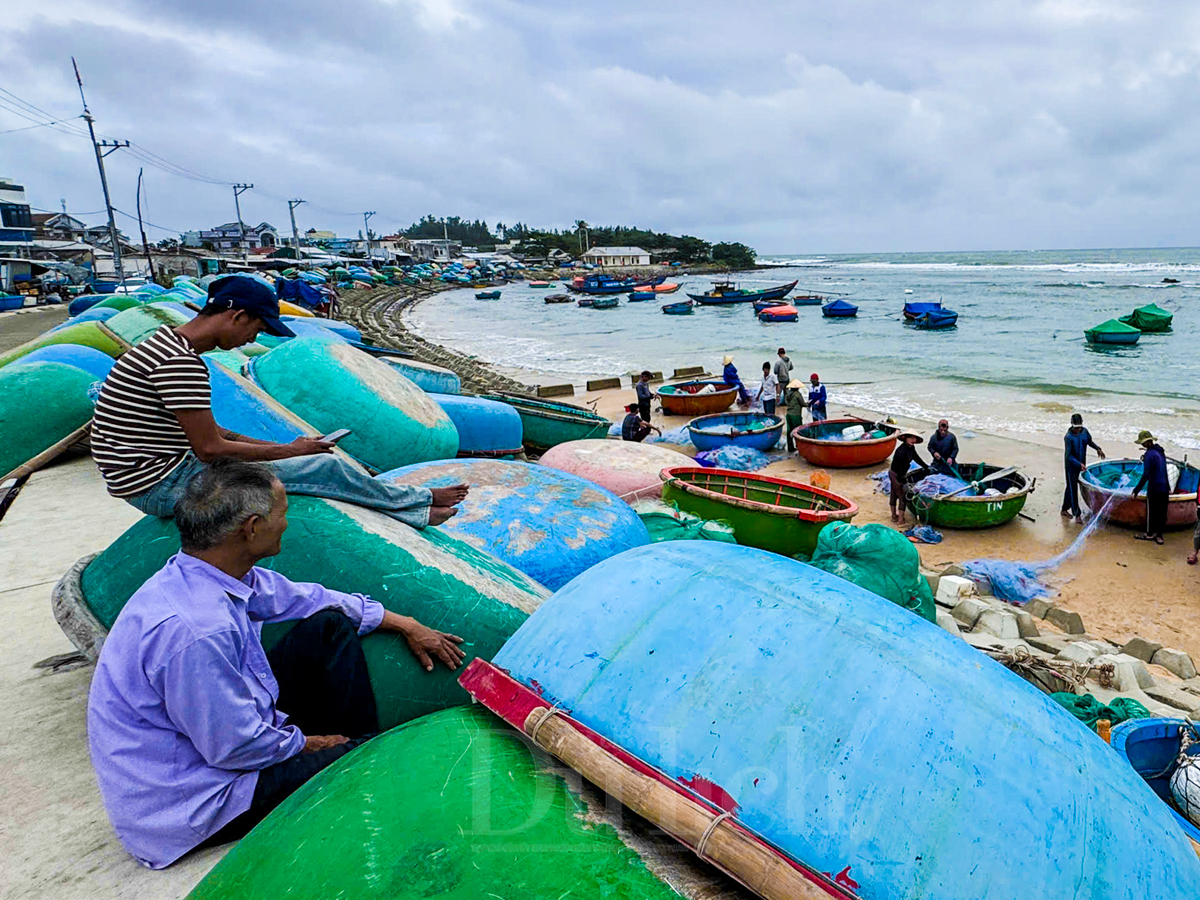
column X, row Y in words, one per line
column 816, row 398
column 1158, row 488
column 1076, row 442
column 731, row 378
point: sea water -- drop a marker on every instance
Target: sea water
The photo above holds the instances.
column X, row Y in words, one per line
column 1017, row 363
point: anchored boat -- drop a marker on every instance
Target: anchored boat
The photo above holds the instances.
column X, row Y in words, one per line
column 822, row 443
column 839, row 309
column 683, row 308
column 784, row 313
column 755, row 430
column 489, row 295
column 690, row 398
column 913, row 310
column 726, row 292
column 968, row 511
column 546, row 423
column 609, row 302
column 1113, row 332
column 1103, row 479
column 556, row 298
column 639, row 296
column 1149, row 318
column 769, row 513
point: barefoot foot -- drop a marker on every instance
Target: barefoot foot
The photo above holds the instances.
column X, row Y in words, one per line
column 449, row 496
column 439, row 514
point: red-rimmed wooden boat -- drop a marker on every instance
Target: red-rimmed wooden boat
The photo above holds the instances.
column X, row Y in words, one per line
column 697, row 820
column 768, row 513
column 814, row 443
column 1131, row 512
column 685, row 399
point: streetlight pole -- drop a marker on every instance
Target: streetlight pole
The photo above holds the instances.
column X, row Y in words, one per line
column 292, row 204
column 99, row 147
column 367, row 232
column 238, row 190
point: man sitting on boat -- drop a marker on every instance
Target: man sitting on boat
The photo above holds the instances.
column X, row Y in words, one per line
column 634, row 427
column 1076, row 442
column 1158, row 488
column 153, row 427
column 816, row 398
column 943, row 448
column 196, row 732
column 730, row 376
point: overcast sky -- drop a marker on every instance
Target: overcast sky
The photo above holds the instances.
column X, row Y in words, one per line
column 801, row 127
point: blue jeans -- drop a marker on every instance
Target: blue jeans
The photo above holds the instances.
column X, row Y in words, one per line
column 320, row 475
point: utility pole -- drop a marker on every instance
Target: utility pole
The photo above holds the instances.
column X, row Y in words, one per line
column 292, row 204
column 367, row 227
column 238, row 190
column 99, row 148
column 142, row 228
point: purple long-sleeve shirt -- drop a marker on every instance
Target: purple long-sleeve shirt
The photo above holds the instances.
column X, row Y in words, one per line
column 181, row 714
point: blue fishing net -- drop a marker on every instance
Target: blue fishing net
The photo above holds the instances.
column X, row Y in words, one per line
column 678, row 435
column 1020, row 582
column 933, row 485
column 741, row 459
column 925, row 534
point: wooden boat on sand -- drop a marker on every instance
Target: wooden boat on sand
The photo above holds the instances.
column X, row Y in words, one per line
column 967, row 510
column 691, row 398
column 821, row 444
column 547, row 423
column 1119, row 477
column 769, row 513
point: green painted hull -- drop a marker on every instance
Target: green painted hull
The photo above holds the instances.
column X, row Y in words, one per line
column 40, row 404
column 546, row 424
column 85, row 334
column 783, row 534
column 453, row 805
column 440, row 581
column 136, row 324
column 972, row 512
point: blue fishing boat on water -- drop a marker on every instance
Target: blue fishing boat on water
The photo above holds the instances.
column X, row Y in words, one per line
column 488, row 295
column 1113, row 331
column 760, row 305
column 609, row 302
column 806, row 300
column 755, row 430
column 912, row 310
column 727, row 292
column 601, row 283
column 683, row 308
column 846, row 731
column 936, row 318
column 1151, row 747
column 638, row 296
column 839, row 309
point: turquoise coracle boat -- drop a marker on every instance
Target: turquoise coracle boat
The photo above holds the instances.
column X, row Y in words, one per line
column 755, row 430
column 547, row 424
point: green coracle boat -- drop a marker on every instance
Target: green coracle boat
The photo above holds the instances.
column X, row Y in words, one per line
column 547, row 424
column 1150, row 318
column 773, row 514
column 86, row 334
column 964, row 511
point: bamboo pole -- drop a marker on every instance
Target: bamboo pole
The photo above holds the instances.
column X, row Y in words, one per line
column 49, row 454
column 716, row 838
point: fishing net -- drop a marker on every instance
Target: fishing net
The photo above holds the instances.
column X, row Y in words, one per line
column 667, row 522
column 1088, row 710
column 1185, row 780
column 678, row 435
column 1020, row 582
column 878, row 559
column 740, row 459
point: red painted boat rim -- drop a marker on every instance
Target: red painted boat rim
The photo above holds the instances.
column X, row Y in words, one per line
column 798, row 436
column 672, row 390
column 848, row 508
column 724, row 415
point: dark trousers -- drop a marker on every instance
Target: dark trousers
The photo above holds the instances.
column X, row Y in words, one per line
column 1071, row 496
column 896, row 488
column 324, row 688
column 644, row 410
column 769, row 406
column 794, row 421
column 1156, row 512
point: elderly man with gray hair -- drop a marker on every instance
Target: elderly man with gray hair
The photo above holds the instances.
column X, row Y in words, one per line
column 196, row 731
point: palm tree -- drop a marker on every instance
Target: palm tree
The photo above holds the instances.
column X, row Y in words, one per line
column 581, row 228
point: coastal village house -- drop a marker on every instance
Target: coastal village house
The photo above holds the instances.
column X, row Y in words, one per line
column 617, row 257
column 16, row 221
column 228, row 236
column 435, row 250
column 58, row 227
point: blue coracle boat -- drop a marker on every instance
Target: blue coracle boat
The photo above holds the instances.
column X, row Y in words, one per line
column 638, row 296
column 758, row 431
column 486, row 428
column 683, row 308
column 839, row 309
column 853, row 735
column 1151, row 747
column 912, row 310
column 937, row 318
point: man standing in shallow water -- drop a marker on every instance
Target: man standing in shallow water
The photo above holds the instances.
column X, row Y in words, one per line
column 1076, row 442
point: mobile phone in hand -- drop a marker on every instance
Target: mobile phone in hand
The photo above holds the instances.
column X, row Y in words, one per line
column 334, row 436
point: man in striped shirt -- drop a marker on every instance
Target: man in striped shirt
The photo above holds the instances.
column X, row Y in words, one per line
column 153, row 427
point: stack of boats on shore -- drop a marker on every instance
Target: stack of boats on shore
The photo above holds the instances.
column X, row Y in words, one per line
column 549, row 571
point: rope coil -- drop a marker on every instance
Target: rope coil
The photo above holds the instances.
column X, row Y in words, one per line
column 702, row 844
column 549, row 713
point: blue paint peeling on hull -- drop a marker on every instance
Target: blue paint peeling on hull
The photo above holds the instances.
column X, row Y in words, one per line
column 551, row 525
column 850, row 732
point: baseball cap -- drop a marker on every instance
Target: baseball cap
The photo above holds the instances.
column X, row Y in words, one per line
column 252, row 296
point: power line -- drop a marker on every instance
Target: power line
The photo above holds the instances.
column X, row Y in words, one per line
column 151, row 224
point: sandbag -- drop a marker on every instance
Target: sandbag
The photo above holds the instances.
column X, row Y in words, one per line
column 40, row 404
column 442, row 582
column 332, row 385
column 878, row 559
column 551, row 525
column 452, row 805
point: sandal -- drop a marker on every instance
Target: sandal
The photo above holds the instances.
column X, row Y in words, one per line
column 1192, row 560
column 1142, row 537
column 1158, row 539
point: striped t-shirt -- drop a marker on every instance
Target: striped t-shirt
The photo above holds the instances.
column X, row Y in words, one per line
column 136, row 439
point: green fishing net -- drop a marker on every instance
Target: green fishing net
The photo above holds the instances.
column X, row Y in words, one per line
column 878, row 559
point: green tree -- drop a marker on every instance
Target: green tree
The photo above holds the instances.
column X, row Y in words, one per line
column 734, row 255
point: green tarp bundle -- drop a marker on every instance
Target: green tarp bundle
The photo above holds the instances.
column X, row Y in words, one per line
column 879, row 559
column 1149, row 318
column 1088, row 710
column 667, row 522
column 1113, row 326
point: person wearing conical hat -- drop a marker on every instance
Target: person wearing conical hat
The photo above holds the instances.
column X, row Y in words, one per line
column 902, row 460
column 1158, row 488
column 732, row 378
column 793, row 396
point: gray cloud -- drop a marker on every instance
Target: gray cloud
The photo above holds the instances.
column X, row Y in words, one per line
column 794, row 127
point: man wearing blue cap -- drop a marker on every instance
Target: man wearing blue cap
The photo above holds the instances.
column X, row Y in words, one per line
column 153, row 427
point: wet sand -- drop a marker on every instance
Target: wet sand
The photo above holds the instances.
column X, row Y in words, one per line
column 1121, row 587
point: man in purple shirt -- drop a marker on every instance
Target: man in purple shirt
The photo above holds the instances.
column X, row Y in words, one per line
column 196, row 732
